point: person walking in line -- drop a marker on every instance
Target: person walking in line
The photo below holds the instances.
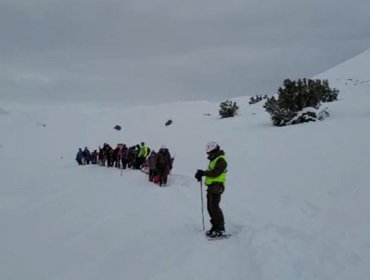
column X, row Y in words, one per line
column 163, row 165
column 151, row 162
column 143, row 154
column 215, row 178
column 79, row 156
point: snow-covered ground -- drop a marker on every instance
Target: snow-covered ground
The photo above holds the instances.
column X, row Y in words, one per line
column 297, row 197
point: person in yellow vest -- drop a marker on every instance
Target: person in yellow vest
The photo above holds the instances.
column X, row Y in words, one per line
column 143, row 154
column 215, row 178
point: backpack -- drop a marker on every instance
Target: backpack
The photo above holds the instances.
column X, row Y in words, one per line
column 161, row 160
column 156, row 179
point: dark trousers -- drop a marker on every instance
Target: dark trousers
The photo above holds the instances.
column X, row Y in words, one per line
column 214, row 210
column 124, row 163
column 163, row 175
column 152, row 173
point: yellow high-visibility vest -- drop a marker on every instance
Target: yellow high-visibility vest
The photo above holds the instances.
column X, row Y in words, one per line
column 219, row 179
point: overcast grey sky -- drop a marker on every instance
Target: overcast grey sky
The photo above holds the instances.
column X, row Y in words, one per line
column 144, row 51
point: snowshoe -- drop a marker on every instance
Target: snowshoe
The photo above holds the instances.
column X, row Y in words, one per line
column 217, row 235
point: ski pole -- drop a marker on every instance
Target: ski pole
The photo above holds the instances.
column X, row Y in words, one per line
column 201, row 198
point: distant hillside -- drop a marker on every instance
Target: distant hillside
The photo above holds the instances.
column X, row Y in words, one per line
column 355, row 71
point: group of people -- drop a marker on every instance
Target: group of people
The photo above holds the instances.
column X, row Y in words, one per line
column 158, row 164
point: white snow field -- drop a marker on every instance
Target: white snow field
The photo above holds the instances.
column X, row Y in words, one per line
column 297, row 198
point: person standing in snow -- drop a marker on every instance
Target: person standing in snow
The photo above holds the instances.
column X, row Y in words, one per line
column 124, row 156
column 163, row 165
column 151, row 162
column 94, row 157
column 215, row 178
column 79, row 156
column 143, row 154
column 86, row 156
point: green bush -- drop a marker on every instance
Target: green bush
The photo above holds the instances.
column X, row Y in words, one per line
column 228, row 109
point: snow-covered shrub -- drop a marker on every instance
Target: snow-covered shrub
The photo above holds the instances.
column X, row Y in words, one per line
column 228, row 109
column 323, row 114
column 306, row 115
column 293, row 99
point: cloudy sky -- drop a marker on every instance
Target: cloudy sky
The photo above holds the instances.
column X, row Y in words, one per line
column 145, row 51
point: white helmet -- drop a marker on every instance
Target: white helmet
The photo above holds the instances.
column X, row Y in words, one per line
column 210, row 146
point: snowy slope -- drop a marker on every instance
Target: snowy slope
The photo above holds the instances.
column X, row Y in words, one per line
column 356, row 68
column 296, row 198
column 352, row 75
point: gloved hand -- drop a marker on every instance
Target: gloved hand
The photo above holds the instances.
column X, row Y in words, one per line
column 199, row 174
